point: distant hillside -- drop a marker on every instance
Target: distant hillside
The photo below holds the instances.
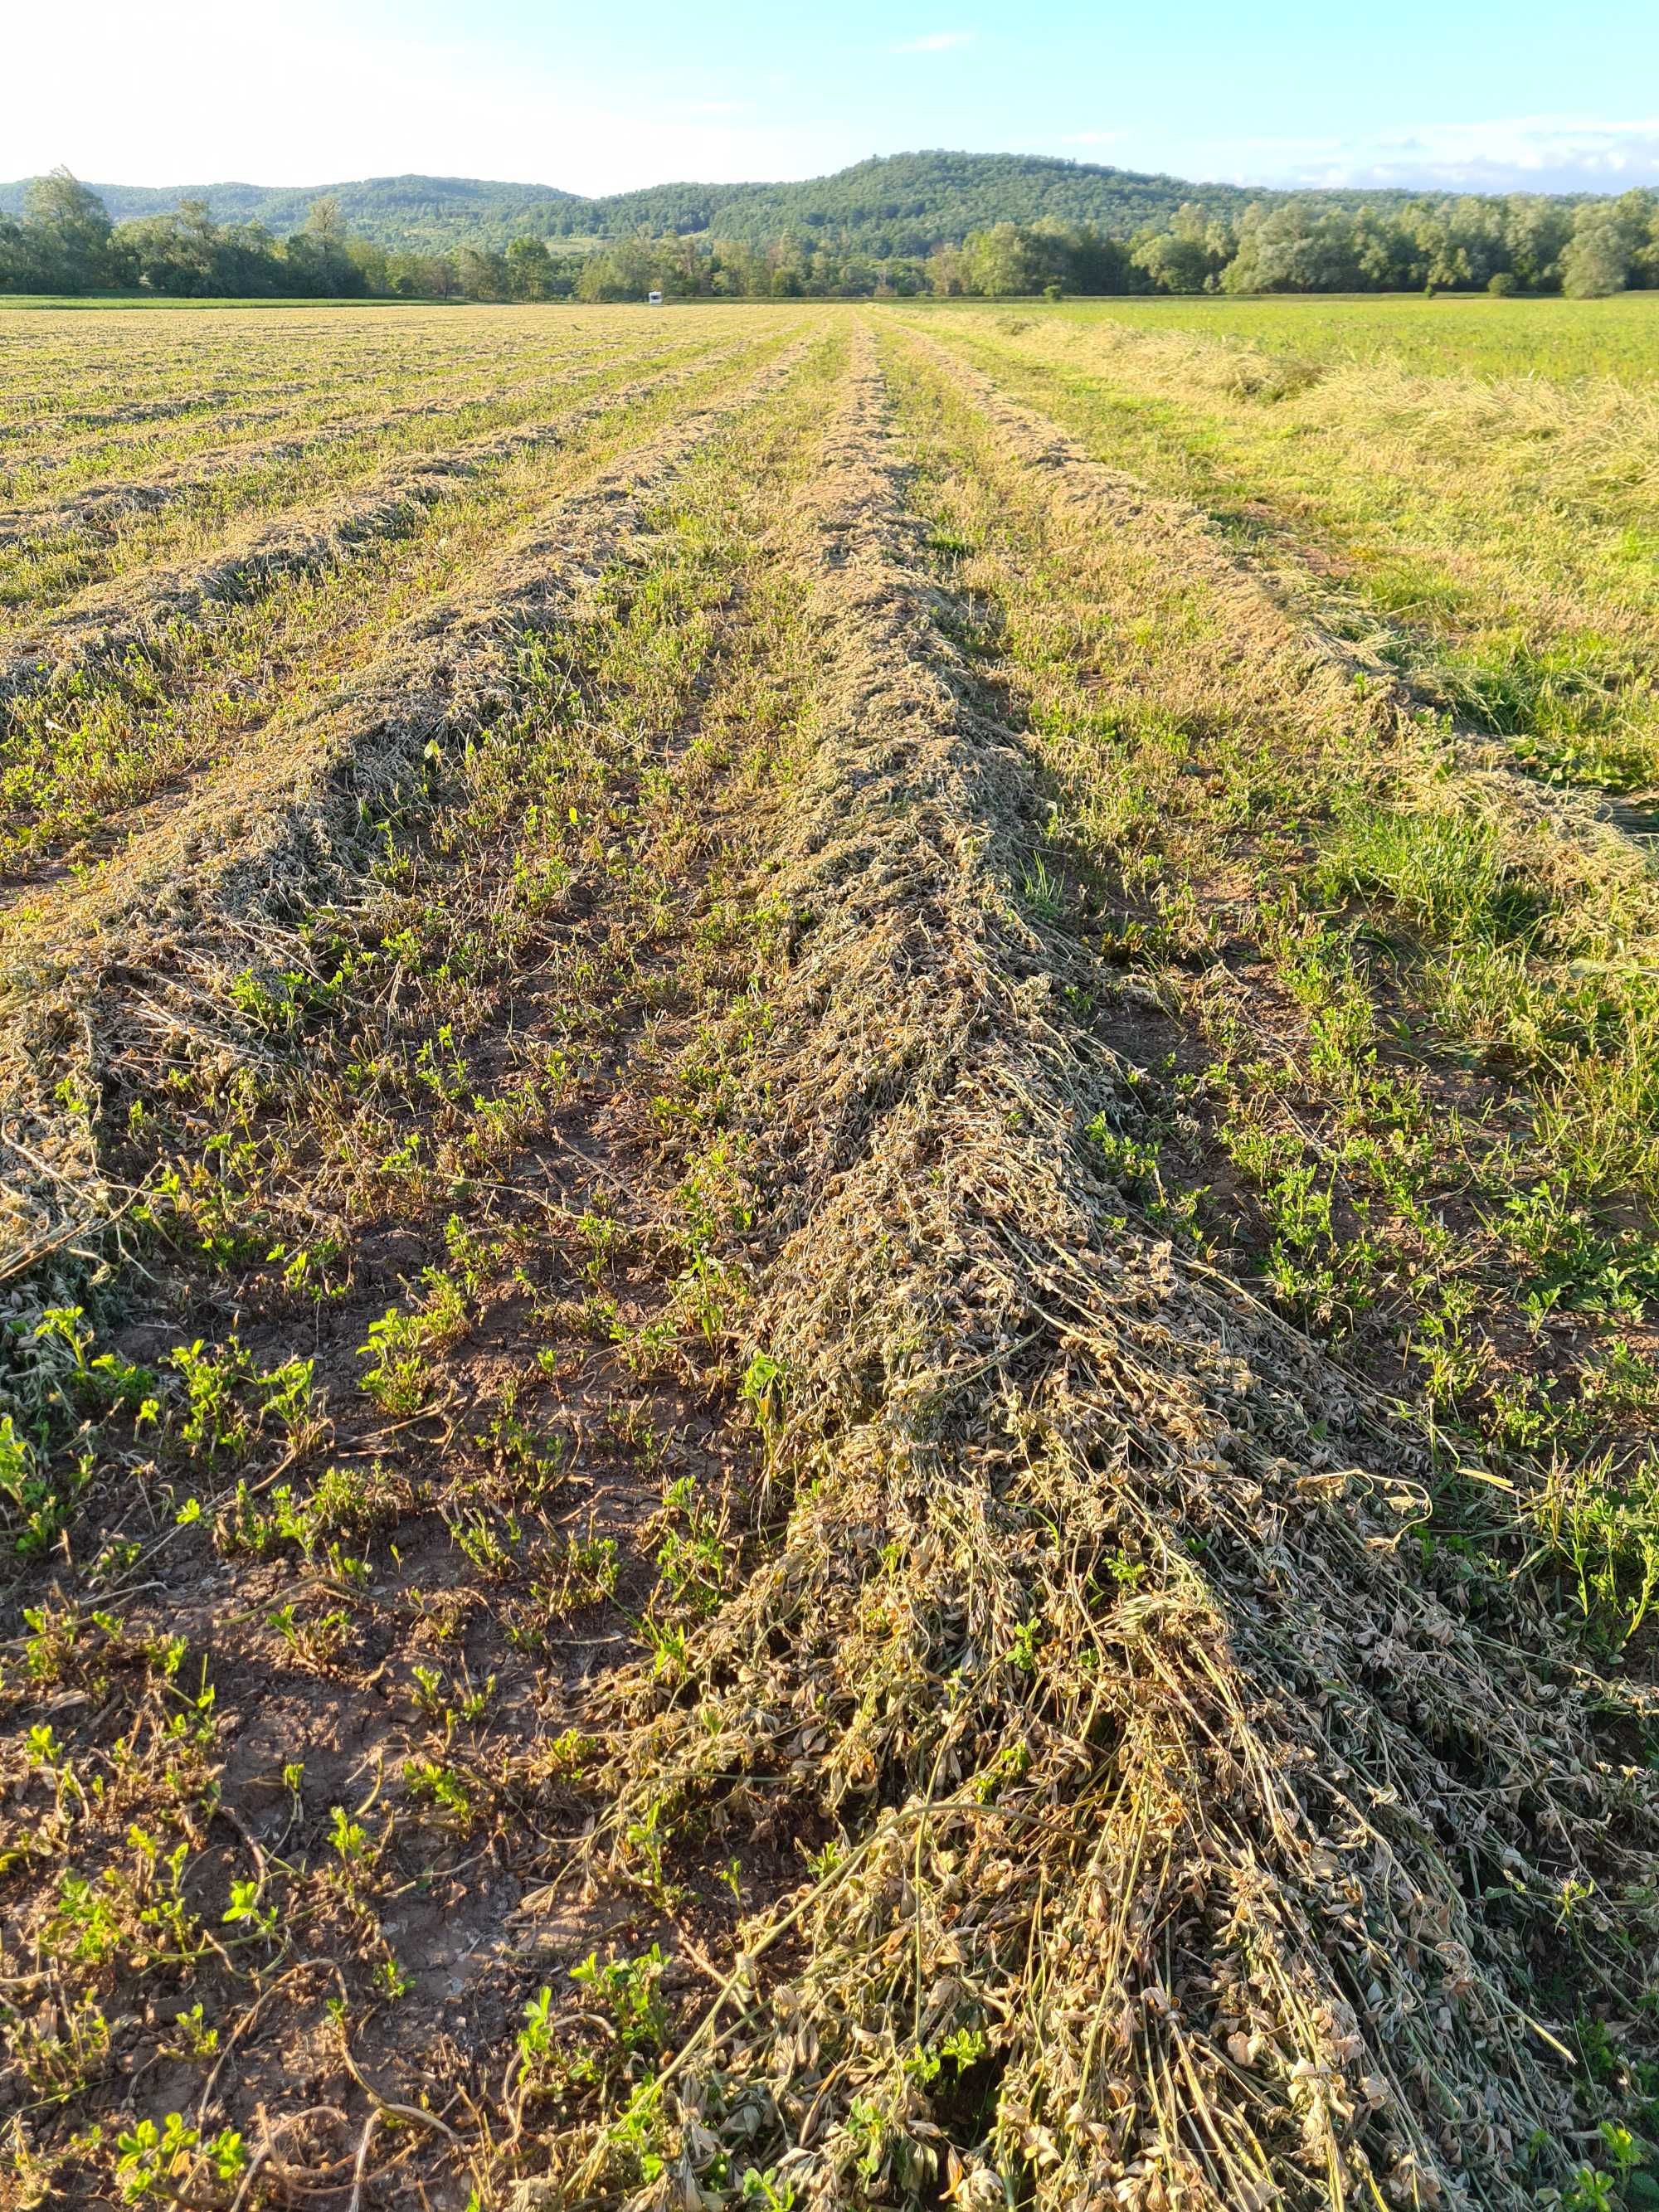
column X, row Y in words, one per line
column 908, row 203
column 898, row 203
column 397, row 212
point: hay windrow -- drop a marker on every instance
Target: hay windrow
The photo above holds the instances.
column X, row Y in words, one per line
column 110, row 621
column 102, row 508
column 1288, row 638
column 1596, row 431
column 1471, row 533
column 73, row 402
column 1190, row 1843
column 137, row 957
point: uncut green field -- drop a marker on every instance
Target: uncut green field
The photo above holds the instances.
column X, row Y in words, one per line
column 1484, row 519
column 1562, row 340
column 829, row 1260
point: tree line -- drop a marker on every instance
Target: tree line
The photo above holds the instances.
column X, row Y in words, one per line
column 902, row 204
column 64, row 242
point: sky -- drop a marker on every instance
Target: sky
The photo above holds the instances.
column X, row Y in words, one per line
column 1475, row 94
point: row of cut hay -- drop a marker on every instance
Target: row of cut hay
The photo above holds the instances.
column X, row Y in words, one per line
column 111, row 353
column 137, row 964
column 66, row 378
column 45, row 455
column 162, row 410
column 1565, row 839
column 55, row 440
column 527, row 940
column 1192, row 1847
column 1593, row 435
column 112, row 620
column 104, row 506
column 1462, row 517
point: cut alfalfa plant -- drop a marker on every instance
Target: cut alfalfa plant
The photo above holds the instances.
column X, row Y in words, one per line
column 1163, row 1776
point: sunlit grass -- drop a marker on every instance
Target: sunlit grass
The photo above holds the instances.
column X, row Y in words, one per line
column 1490, row 539
column 1559, row 339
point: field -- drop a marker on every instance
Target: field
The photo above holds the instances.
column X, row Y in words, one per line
column 829, row 1257
column 1560, row 340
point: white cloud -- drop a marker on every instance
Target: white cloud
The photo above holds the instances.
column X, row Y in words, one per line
column 936, row 42
column 1533, row 153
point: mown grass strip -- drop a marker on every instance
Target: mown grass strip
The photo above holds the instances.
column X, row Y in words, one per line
column 157, row 403
column 474, row 1061
column 47, row 556
column 257, row 642
column 241, row 559
column 1493, row 543
column 1561, row 341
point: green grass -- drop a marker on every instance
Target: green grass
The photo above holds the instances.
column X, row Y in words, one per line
column 1491, row 540
column 1556, row 339
column 1422, row 1028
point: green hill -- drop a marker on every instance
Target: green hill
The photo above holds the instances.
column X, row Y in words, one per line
column 398, row 211
column 897, row 203
column 906, row 203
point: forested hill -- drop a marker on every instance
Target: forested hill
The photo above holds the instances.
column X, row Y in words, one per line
column 911, row 203
column 415, row 212
column 899, row 203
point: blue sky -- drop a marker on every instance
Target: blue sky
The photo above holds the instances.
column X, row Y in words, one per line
column 616, row 92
